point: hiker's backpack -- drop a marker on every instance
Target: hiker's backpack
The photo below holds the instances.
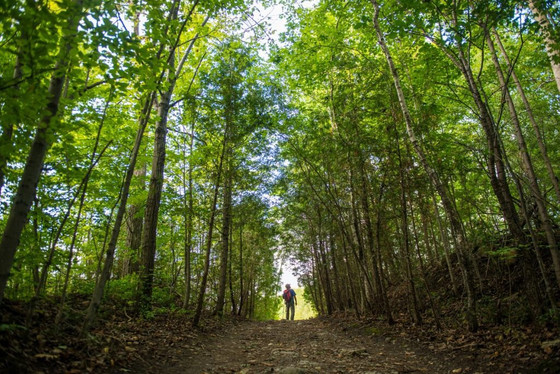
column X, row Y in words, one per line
column 287, row 296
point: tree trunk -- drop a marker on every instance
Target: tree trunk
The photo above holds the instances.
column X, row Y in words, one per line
column 446, row 247
column 353, row 301
column 495, row 163
column 204, row 281
column 241, row 290
column 405, row 232
column 134, row 224
column 383, row 289
column 371, row 246
column 551, row 45
column 433, row 304
column 339, row 302
column 327, row 284
column 110, row 253
column 368, row 283
column 149, row 233
column 230, row 276
column 41, row 143
column 188, row 207
column 540, row 141
column 527, row 164
column 52, row 247
column 85, row 181
column 226, row 223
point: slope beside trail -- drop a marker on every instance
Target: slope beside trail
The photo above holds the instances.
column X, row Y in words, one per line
column 307, row 346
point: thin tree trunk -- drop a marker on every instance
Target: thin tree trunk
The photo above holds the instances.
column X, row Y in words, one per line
column 134, row 220
column 369, row 284
column 320, row 268
column 203, row 283
column 327, row 284
column 453, row 215
column 433, row 304
column 52, row 247
column 446, row 247
column 62, row 303
column 188, row 205
column 405, row 232
column 536, row 128
column 85, row 181
column 318, row 292
column 495, row 163
column 241, row 290
column 230, row 276
column 354, row 300
column 149, row 232
column 371, row 246
column 527, row 164
column 188, row 202
column 99, row 289
column 339, row 302
column 322, row 263
column 551, row 45
column 385, row 299
column 226, row 222
column 536, row 247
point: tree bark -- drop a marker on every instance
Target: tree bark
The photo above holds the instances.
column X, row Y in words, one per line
column 134, row 224
column 149, row 232
column 188, row 207
column 230, row 276
column 241, row 289
column 226, row 223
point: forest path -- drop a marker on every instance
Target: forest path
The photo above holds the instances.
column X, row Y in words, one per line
column 307, row 346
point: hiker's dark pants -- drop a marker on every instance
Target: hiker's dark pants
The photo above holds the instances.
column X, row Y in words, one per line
column 290, row 307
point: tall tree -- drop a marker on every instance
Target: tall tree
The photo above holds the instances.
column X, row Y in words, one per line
column 449, row 207
column 41, row 143
column 148, row 246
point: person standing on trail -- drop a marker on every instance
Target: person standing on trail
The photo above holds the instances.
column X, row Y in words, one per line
column 290, row 300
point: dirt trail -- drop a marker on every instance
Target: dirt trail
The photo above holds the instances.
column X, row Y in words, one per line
column 310, row 346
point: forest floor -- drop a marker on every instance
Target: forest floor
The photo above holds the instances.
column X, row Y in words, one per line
column 167, row 343
column 330, row 345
